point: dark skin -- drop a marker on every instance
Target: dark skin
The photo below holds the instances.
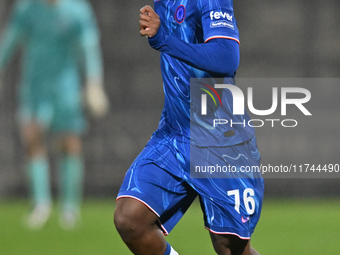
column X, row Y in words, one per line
column 33, row 133
column 149, row 21
column 137, row 224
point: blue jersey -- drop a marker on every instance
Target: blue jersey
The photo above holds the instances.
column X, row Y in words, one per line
column 196, row 23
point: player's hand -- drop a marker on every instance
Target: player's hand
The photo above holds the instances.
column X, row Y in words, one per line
column 149, row 21
column 96, row 100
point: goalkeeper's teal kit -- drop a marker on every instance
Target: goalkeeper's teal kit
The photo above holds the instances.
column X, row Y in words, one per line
column 60, row 45
column 58, row 40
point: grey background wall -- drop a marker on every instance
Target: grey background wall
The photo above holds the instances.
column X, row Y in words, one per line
column 278, row 40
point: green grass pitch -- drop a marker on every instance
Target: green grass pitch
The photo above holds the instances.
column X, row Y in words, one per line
column 286, row 227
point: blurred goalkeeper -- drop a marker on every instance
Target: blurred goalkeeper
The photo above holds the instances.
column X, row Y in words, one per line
column 58, row 38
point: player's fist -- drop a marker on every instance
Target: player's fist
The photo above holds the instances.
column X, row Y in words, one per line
column 149, row 21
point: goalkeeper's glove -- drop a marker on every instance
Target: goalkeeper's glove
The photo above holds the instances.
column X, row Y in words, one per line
column 96, row 99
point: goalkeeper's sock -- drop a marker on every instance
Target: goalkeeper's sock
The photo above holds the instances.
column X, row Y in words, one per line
column 71, row 176
column 39, row 176
column 170, row 250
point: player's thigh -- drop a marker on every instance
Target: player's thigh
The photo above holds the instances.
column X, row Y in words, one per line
column 154, row 180
column 133, row 214
column 32, row 122
column 35, row 114
column 225, row 244
column 166, row 196
column 32, row 135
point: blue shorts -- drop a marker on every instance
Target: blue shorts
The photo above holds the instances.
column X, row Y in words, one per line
column 160, row 178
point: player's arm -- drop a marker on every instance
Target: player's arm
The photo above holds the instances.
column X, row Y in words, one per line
column 13, row 34
column 217, row 56
column 93, row 64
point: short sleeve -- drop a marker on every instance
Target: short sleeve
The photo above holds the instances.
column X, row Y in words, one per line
column 218, row 20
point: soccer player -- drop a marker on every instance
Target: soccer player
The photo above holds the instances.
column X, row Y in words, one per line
column 197, row 39
column 58, row 38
